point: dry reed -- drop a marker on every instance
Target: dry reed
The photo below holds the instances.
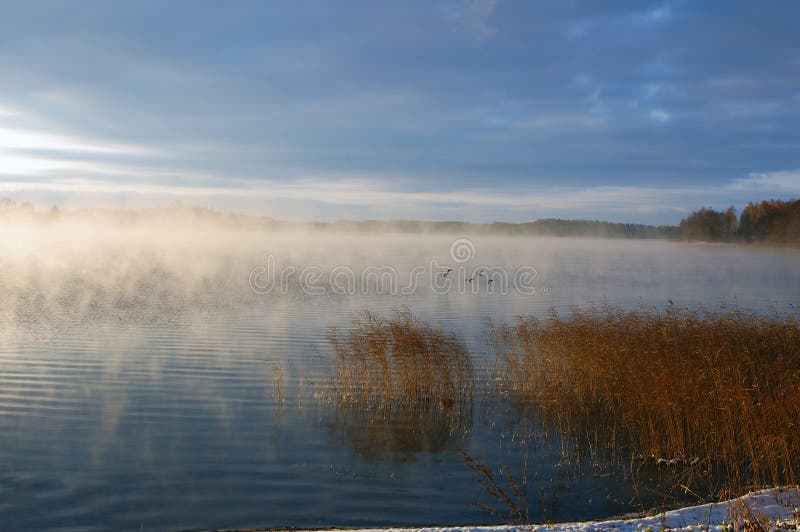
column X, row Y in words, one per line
column 399, row 385
column 401, row 360
column 712, row 398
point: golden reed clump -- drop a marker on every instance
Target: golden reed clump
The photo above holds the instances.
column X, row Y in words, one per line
column 716, row 395
column 400, row 360
column 399, row 385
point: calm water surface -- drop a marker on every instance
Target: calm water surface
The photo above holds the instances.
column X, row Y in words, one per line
column 137, row 376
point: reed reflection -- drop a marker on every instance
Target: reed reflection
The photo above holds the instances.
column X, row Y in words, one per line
column 399, row 386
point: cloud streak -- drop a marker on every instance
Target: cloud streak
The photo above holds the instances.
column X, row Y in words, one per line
column 624, row 203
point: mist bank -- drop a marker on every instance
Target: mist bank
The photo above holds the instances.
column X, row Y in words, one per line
column 181, row 216
column 773, row 221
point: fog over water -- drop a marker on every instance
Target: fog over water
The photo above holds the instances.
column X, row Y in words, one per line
column 298, row 266
column 138, row 361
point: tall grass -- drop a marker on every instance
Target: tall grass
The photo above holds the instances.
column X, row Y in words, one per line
column 399, row 385
column 401, row 360
column 692, row 405
column 712, row 397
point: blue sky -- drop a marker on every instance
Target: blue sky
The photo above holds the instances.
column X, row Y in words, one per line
column 454, row 109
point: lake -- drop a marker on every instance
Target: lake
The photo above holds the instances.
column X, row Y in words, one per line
column 139, row 370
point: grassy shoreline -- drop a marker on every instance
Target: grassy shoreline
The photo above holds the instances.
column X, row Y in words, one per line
column 707, row 402
column 713, row 397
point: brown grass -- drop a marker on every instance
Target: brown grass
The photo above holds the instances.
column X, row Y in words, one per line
column 506, row 490
column 398, row 385
column 714, row 398
column 402, row 361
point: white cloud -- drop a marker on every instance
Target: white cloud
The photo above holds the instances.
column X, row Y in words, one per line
column 660, row 115
column 780, row 181
column 19, row 147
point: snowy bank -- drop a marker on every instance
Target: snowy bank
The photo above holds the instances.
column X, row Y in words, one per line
column 778, row 505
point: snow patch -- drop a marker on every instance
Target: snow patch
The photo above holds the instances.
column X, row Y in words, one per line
column 779, row 505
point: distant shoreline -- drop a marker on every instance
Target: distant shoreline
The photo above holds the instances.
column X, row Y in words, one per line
column 202, row 217
column 700, row 227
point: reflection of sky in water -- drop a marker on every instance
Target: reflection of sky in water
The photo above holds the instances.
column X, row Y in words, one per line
column 134, row 380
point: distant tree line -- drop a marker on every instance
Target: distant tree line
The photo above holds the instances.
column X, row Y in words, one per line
column 202, row 216
column 774, row 221
column 541, row 227
column 592, row 228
